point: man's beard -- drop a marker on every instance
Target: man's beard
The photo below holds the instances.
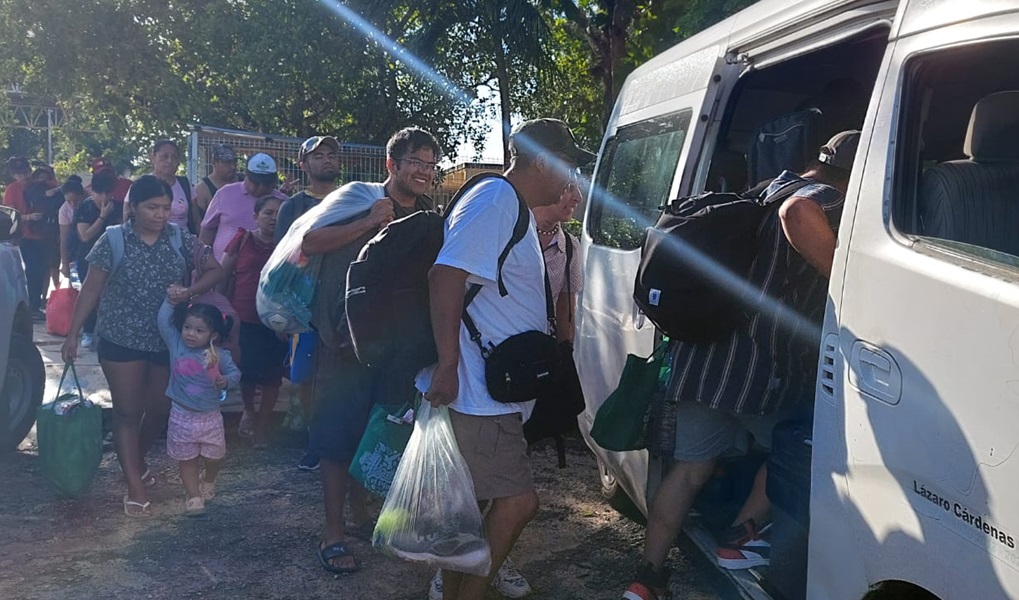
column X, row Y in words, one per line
column 327, row 177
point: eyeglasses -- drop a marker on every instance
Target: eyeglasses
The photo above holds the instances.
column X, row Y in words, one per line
column 419, row 165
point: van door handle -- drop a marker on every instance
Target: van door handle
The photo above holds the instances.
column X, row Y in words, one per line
column 638, row 317
column 875, row 373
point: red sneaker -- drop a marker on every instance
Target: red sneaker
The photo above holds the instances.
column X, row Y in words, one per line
column 639, row 591
column 744, row 547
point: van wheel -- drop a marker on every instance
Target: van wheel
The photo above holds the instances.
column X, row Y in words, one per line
column 898, row 590
column 609, row 483
column 616, row 495
column 22, row 393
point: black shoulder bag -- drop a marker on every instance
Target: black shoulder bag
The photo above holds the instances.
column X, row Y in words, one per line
column 522, row 367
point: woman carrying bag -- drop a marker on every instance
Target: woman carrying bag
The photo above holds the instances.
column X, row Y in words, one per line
column 133, row 267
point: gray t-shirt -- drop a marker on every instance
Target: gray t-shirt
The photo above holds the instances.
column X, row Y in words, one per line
column 191, row 378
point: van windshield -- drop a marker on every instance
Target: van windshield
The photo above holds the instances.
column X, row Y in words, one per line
column 641, row 161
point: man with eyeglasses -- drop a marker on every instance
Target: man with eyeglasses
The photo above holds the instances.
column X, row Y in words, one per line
column 544, row 157
column 344, row 391
column 319, row 158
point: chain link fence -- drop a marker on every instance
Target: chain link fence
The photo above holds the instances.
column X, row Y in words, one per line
column 358, row 162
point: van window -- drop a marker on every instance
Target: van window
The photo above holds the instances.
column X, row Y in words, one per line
column 957, row 181
column 637, row 169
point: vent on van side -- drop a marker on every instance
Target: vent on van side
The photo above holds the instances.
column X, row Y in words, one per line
column 826, row 370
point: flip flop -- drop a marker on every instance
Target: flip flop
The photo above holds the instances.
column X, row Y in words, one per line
column 337, row 550
column 142, row 514
column 148, row 479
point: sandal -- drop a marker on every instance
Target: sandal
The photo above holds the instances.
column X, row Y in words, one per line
column 148, row 479
column 142, row 508
column 194, row 507
column 246, row 428
column 208, row 490
column 337, row 550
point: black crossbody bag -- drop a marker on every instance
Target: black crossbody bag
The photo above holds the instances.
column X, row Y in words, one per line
column 523, row 366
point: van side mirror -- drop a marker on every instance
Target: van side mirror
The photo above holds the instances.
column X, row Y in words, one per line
column 10, row 224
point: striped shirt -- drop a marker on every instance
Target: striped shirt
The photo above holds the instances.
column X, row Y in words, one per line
column 770, row 362
column 555, row 264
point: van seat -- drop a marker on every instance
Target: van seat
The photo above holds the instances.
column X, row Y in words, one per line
column 976, row 200
column 788, row 142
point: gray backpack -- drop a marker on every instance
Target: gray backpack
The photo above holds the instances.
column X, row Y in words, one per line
column 115, row 235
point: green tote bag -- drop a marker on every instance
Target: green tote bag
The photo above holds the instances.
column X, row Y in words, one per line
column 70, row 433
column 381, row 447
column 621, row 422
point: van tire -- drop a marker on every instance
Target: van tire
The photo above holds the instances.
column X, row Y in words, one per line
column 898, row 590
column 616, row 495
column 22, row 393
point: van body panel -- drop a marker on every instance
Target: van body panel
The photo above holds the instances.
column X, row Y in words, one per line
column 854, row 20
column 915, row 481
column 916, row 16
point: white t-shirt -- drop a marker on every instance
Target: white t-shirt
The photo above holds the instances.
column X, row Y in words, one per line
column 477, row 231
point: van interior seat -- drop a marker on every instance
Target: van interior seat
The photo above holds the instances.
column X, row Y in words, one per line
column 788, row 142
column 976, row 200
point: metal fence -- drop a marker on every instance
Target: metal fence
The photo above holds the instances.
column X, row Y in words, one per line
column 358, row 162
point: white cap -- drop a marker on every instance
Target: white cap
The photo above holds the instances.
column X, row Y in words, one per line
column 262, row 164
column 261, row 169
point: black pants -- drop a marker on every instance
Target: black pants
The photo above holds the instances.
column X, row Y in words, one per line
column 37, row 270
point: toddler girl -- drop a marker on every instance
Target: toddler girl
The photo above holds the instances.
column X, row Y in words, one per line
column 200, row 373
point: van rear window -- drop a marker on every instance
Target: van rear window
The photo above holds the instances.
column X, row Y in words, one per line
column 634, row 179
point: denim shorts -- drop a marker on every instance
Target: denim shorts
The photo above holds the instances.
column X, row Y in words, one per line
column 704, row 433
column 344, row 392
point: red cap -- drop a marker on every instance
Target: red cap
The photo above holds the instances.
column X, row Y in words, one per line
column 100, row 164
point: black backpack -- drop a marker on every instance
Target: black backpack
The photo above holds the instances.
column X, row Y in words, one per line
column 695, row 259
column 386, row 299
column 555, row 415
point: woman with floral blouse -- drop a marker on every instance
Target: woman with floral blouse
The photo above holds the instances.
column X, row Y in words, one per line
column 129, row 289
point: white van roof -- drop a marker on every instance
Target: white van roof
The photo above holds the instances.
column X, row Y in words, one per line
column 687, row 66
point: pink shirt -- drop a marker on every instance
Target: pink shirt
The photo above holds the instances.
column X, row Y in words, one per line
column 179, row 208
column 231, row 209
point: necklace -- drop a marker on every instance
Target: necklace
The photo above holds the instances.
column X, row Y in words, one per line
column 553, row 231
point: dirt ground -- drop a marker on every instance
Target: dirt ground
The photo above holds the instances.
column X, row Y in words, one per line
column 260, row 533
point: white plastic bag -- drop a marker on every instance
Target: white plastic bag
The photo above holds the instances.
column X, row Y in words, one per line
column 431, row 514
column 286, row 285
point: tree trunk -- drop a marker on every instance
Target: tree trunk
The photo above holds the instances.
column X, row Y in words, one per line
column 502, row 77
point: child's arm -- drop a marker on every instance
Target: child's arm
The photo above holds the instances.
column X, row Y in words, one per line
column 228, row 369
column 164, row 320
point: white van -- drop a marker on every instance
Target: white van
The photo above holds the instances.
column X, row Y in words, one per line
column 917, row 404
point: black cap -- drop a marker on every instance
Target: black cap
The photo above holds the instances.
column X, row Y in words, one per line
column 311, row 144
column 224, row 153
column 547, row 135
column 840, row 150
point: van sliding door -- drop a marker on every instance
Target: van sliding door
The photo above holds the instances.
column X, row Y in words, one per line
column 656, row 128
